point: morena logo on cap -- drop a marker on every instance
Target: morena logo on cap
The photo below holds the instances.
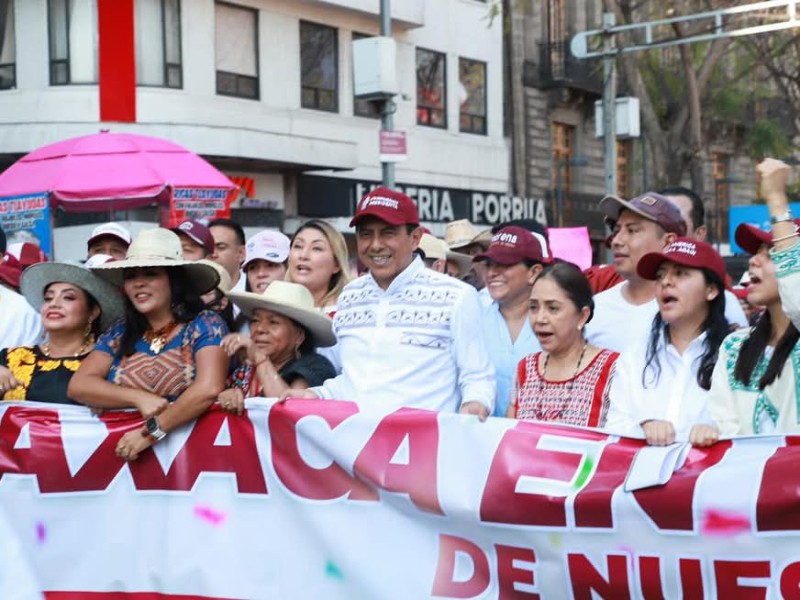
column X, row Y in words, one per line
column 509, row 239
column 186, row 226
column 380, row 201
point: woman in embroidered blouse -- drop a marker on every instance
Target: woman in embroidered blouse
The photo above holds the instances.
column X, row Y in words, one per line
column 285, row 328
column 318, row 260
column 164, row 359
column 660, row 390
column 75, row 306
column 567, row 382
column 756, row 381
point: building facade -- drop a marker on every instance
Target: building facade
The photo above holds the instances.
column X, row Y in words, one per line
column 264, row 90
column 555, row 153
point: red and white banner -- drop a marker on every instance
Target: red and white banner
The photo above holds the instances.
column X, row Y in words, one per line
column 314, row 499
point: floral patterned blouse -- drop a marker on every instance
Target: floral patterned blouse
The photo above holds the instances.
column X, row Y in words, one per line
column 43, row 379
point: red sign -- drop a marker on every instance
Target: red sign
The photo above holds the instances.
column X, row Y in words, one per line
column 392, row 146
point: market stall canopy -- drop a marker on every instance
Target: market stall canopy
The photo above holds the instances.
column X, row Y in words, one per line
column 107, row 171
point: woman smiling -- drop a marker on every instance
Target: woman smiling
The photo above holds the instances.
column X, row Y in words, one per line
column 164, row 359
column 75, row 306
column 285, row 328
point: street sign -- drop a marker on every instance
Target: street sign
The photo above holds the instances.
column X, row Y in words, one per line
column 393, row 146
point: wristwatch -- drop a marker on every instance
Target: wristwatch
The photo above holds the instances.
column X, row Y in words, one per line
column 786, row 216
column 154, row 431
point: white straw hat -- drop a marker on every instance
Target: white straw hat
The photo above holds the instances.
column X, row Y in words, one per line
column 37, row 277
column 461, row 233
column 160, row 247
column 291, row 300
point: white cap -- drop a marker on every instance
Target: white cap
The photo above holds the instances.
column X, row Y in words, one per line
column 271, row 246
column 111, row 229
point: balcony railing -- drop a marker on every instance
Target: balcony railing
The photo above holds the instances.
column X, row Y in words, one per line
column 558, row 68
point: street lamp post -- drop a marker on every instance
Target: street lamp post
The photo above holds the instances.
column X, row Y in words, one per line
column 577, row 161
column 718, row 183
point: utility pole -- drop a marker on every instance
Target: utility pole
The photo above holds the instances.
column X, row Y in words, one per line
column 609, row 105
column 387, row 115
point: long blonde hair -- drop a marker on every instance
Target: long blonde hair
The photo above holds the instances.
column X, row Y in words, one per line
column 340, row 255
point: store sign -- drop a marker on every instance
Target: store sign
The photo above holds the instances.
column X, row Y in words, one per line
column 337, row 197
column 27, row 219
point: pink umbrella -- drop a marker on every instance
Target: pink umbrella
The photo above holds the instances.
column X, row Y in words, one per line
column 107, row 171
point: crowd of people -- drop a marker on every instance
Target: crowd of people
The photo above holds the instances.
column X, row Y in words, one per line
column 656, row 345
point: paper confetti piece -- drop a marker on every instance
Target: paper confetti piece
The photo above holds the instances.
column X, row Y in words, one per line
column 41, row 532
column 206, row 513
column 331, row 570
column 724, row 523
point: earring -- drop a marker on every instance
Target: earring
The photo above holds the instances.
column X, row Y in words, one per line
column 88, row 335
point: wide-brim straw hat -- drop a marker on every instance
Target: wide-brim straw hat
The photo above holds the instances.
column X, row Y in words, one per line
column 293, row 301
column 464, row 261
column 160, row 247
column 36, row 278
column 462, row 233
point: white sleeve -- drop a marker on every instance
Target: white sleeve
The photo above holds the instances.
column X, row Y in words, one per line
column 622, row 412
column 476, row 377
column 734, row 313
column 721, row 402
column 787, row 269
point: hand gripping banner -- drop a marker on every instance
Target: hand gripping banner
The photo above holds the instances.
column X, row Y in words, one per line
column 316, row 499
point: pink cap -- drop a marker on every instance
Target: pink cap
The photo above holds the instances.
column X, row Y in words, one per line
column 388, row 205
column 198, row 233
column 683, row 251
column 271, row 246
column 513, row 244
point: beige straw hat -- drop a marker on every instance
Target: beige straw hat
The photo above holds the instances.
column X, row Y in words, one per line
column 291, row 300
column 462, row 233
column 160, row 247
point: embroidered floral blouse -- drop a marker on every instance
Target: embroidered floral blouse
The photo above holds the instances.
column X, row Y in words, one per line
column 169, row 372
column 43, row 379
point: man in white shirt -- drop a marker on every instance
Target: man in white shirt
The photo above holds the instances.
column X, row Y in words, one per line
column 20, row 324
column 624, row 313
column 408, row 336
column 229, row 249
column 694, row 214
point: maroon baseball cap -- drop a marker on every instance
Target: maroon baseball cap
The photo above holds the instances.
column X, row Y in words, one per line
column 683, row 251
column 198, row 233
column 652, row 206
column 10, row 270
column 388, row 205
column 750, row 238
column 513, row 244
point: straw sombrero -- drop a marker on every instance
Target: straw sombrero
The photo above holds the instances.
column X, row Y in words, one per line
column 37, row 277
column 159, row 247
column 461, row 233
column 291, row 300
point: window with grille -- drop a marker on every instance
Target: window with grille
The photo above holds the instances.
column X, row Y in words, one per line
column 431, row 89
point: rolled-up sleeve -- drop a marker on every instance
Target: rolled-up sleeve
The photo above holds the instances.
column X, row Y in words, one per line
column 476, row 379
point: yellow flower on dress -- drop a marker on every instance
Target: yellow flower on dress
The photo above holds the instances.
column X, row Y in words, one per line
column 21, row 363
